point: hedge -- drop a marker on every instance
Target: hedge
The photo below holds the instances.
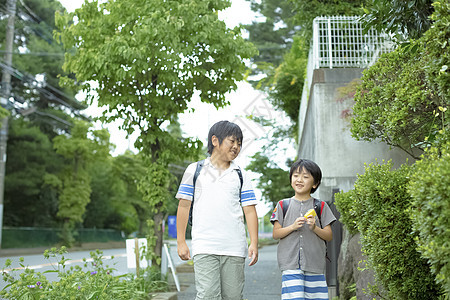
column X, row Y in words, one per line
column 381, row 213
column 430, row 191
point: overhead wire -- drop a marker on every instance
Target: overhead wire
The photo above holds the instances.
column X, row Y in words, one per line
column 30, row 79
column 33, row 17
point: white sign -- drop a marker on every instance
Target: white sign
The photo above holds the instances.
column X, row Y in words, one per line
column 131, row 253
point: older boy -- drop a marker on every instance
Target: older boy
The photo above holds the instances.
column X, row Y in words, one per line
column 219, row 243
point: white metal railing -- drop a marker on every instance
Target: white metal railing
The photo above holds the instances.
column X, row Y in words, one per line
column 339, row 42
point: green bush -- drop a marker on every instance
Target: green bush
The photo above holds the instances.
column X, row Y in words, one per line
column 437, row 54
column 379, row 205
column 393, row 103
column 430, row 190
column 94, row 281
column 401, row 94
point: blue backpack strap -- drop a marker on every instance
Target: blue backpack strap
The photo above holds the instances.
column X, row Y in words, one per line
column 197, row 172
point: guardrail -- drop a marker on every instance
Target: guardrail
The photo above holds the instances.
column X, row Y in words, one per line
column 340, row 42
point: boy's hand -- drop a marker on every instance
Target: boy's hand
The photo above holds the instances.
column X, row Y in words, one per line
column 311, row 221
column 183, row 251
column 298, row 223
column 253, row 254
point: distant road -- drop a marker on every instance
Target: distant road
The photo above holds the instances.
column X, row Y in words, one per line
column 40, row 264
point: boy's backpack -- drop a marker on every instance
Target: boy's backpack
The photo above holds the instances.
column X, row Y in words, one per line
column 197, row 172
column 318, row 207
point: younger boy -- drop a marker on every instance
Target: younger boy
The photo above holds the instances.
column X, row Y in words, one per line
column 302, row 249
column 219, row 243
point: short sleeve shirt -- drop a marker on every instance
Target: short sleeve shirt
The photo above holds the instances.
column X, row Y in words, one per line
column 301, row 249
column 217, row 217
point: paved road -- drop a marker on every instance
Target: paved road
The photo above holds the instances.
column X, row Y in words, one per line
column 262, row 281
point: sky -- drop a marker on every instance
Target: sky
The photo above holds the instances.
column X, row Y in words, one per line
column 200, row 116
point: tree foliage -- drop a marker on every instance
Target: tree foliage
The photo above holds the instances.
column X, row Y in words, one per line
column 274, row 184
column 272, row 36
column 130, row 169
column 286, row 88
column 430, row 212
column 404, row 19
column 306, row 11
column 37, row 64
column 28, row 201
column 403, row 97
column 74, row 183
column 379, row 205
column 394, row 103
column 148, row 58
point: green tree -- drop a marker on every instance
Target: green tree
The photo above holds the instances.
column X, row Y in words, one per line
column 274, row 181
column 28, row 201
column 130, row 169
column 283, row 40
column 404, row 19
column 274, row 184
column 79, row 149
column 36, row 53
column 148, row 59
column 394, row 103
column 403, row 97
column 272, row 36
column 108, row 190
column 307, row 10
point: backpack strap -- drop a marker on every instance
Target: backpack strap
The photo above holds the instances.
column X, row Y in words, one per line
column 197, row 172
column 318, row 207
column 285, row 205
column 241, row 179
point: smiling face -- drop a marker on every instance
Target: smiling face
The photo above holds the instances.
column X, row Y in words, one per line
column 228, row 150
column 302, row 182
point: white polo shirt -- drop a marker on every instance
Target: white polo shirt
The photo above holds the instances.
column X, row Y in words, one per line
column 217, row 218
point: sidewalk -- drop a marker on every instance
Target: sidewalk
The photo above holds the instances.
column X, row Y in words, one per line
column 262, row 281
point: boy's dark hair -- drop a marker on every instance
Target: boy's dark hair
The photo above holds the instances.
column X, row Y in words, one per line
column 310, row 167
column 222, row 130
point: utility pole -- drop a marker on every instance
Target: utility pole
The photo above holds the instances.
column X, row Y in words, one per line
column 6, row 91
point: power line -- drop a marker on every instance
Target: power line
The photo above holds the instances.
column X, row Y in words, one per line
column 30, row 79
column 44, row 30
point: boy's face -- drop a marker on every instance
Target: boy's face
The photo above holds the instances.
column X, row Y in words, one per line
column 228, row 150
column 302, row 182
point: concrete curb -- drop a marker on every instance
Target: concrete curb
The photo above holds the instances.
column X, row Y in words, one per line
column 165, row 296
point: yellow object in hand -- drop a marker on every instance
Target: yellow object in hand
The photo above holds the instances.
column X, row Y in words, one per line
column 310, row 212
